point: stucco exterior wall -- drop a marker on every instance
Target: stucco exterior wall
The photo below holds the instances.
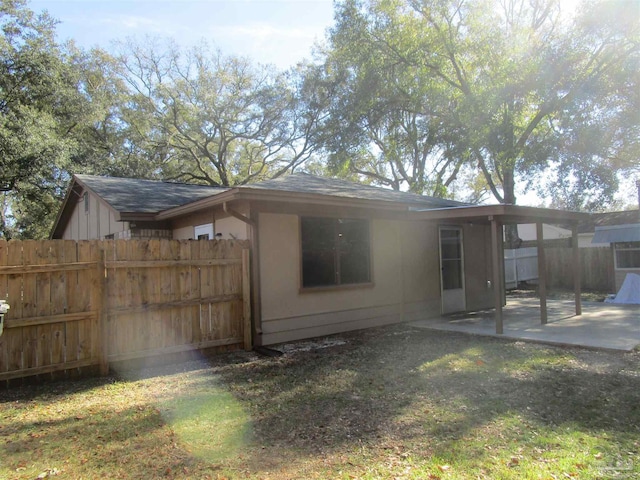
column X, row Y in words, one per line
column 405, row 273
column 97, row 223
column 229, row 227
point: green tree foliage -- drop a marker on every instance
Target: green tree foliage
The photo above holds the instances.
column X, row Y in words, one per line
column 508, row 87
column 156, row 111
column 387, row 119
column 34, row 99
column 215, row 119
column 58, row 115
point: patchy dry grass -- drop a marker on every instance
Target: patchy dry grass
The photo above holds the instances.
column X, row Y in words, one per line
column 593, row 296
column 392, row 403
column 558, row 294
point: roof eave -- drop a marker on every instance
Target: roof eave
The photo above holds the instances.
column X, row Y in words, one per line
column 208, row 202
column 504, row 212
column 63, row 213
column 254, row 194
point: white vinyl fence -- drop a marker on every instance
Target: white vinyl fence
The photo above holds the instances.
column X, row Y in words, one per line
column 520, row 265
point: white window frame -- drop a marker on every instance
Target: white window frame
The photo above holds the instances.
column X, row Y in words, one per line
column 204, row 230
column 617, row 249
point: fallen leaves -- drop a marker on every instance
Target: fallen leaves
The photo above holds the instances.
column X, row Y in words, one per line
column 50, row 472
column 513, row 462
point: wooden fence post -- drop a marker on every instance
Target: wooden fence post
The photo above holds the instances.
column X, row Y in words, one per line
column 246, row 299
column 100, row 292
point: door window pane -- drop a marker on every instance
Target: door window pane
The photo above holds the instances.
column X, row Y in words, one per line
column 451, row 253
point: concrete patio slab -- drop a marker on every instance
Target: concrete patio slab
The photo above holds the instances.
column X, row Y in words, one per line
column 601, row 325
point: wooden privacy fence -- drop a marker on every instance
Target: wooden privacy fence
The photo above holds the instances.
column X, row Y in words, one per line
column 596, row 268
column 90, row 303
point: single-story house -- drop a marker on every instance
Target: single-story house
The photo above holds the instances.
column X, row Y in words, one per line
column 327, row 255
column 621, row 231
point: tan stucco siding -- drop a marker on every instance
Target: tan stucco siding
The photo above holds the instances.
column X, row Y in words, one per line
column 421, row 270
column 97, row 223
column 230, row 227
column 183, row 233
column 404, row 272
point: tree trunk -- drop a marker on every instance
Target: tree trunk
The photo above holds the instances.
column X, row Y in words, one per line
column 511, row 240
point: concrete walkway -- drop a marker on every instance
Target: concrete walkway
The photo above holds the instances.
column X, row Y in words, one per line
column 601, row 325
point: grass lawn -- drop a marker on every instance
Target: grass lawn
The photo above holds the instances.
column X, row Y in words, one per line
column 389, row 403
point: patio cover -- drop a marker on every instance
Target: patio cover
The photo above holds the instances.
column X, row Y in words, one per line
column 499, row 215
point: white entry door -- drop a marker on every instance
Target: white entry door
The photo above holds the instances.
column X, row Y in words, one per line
column 452, row 270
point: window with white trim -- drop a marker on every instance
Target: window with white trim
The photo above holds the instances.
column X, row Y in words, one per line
column 627, row 254
column 203, row 232
column 335, row 251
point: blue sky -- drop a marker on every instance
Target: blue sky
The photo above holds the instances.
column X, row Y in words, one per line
column 280, row 32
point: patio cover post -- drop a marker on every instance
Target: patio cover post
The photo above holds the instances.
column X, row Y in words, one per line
column 542, row 273
column 497, row 263
column 576, row 268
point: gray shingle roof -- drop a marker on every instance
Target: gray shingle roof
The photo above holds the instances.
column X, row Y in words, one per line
column 606, row 219
column 145, row 196
column 306, row 183
column 130, row 195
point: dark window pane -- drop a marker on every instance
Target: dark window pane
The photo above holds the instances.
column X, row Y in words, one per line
column 451, row 258
column 318, row 234
column 353, row 237
column 450, row 244
column 451, row 274
column 318, row 252
column 334, row 251
column 318, row 268
column 628, row 258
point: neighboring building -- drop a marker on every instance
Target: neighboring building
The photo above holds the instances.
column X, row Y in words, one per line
column 527, row 232
column 327, row 255
column 620, row 230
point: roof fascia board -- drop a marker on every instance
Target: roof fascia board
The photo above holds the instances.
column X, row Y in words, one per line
column 63, row 212
column 505, row 213
column 249, row 194
column 192, row 207
column 319, row 199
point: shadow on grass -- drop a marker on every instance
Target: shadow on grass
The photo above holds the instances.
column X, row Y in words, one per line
column 99, row 441
column 428, row 388
column 383, row 388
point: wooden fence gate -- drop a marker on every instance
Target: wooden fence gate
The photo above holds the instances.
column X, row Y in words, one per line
column 90, row 303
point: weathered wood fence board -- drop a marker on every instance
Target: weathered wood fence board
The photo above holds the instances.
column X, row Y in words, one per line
column 596, row 268
column 76, row 304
